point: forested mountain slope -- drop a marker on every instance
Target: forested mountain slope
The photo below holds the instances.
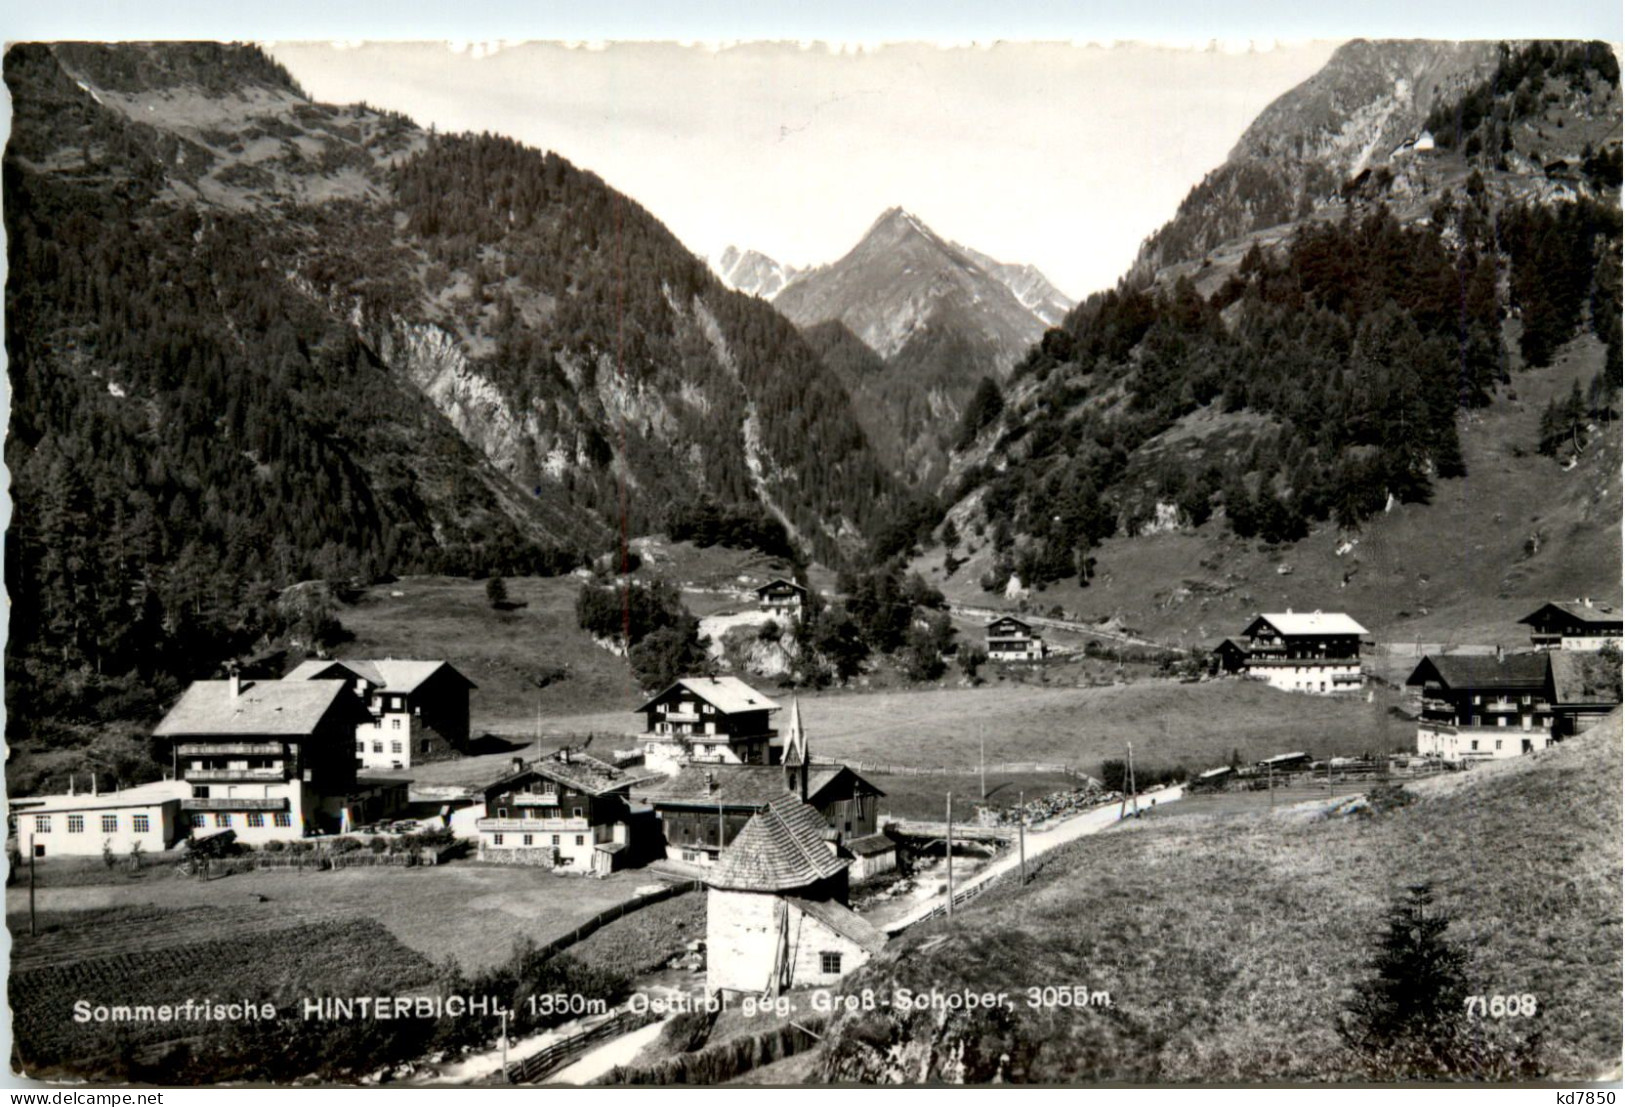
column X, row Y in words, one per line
column 1319, row 376
column 255, row 339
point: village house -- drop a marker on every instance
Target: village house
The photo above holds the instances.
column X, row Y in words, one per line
column 1012, row 639
column 269, row 759
column 418, row 709
column 1318, row 652
column 775, row 914
column 702, row 808
column 1573, row 626
column 570, row 812
column 714, row 720
column 1478, row 708
column 86, row 824
column 781, row 597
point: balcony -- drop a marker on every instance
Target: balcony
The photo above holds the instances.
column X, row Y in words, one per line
column 533, row 826
column 534, row 799
column 681, row 716
column 230, row 749
column 234, row 803
column 208, row 776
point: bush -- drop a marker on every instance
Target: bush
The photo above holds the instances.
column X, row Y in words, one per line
column 378, row 845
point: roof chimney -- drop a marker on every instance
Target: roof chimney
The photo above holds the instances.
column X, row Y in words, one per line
column 70, row 784
column 710, row 781
column 519, row 764
column 93, row 785
column 234, row 682
column 1588, row 601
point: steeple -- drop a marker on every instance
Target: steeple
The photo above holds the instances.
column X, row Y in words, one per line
column 796, row 756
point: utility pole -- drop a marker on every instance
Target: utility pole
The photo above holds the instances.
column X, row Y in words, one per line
column 1021, row 834
column 983, row 736
column 1133, row 788
column 505, row 1077
column 33, row 928
column 948, row 850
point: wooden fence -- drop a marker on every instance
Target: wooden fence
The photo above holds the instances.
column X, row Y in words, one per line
column 567, row 1050
column 1006, row 767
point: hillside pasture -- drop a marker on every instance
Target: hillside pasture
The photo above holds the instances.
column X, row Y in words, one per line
column 1229, row 944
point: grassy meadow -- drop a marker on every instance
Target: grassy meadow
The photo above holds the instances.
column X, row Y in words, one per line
column 1230, row 943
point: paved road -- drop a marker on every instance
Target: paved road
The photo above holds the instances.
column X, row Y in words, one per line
column 1038, row 843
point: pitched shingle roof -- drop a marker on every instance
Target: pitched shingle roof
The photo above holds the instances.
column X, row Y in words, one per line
column 1584, row 678
column 388, row 675
column 270, row 707
column 1462, row 672
column 727, row 694
column 1313, row 622
column 583, row 772
column 776, row 581
column 736, row 786
column 1577, row 612
column 781, row 849
column 844, row 921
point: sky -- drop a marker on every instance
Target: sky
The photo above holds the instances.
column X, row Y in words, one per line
column 1062, row 156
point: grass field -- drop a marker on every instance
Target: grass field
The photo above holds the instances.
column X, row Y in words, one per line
column 1229, row 943
column 470, row 912
column 925, row 797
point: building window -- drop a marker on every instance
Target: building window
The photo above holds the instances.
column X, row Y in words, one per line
column 255, row 819
column 530, row 839
column 496, row 839
column 42, row 824
column 1498, row 743
column 140, row 824
column 197, row 822
column 394, row 747
column 1475, row 744
column 361, row 747
column 555, row 839
column 283, row 818
column 829, row 963
column 423, row 745
column 109, row 824
column 576, row 811
column 377, row 747
column 581, row 839
column 395, row 724
column 76, row 824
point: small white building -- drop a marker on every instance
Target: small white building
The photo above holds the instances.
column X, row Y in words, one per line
column 781, row 597
column 1580, row 625
column 87, row 824
column 717, row 720
column 776, row 914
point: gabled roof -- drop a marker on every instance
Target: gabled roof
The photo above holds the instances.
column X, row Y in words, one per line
column 280, row 708
column 1313, row 622
column 1234, row 644
column 1580, row 678
column 388, row 675
column 781, row 849
column 737, row 786
column 584, row 773
column 1462, row 672
column 727, row 694
column 871, row 845
column 1573, row 612
column 1022, row 623
column 844, row 921
column 776, row 581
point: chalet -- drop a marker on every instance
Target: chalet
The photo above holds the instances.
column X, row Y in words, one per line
column 1480, row 708
column 269, row 759
column 85, row 824
column 775, row 914
column 1573, row 626
column 1318, row 652
column 711, row 720
column 570, row 813
column 703, row 807
column 781, row 597
column 419, row 709
column 1583, row 688
column 1012, row 639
